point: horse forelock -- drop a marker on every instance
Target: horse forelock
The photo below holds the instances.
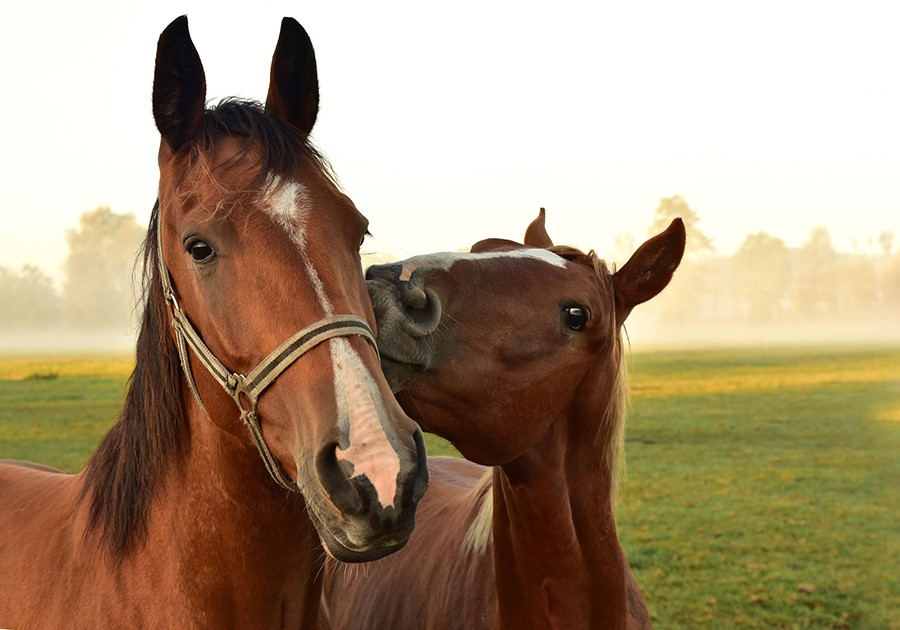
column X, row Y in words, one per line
column 122, row 477
column 276, row 152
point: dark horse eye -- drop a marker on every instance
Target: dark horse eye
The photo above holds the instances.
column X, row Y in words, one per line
column 576, row 317
column 201, row 252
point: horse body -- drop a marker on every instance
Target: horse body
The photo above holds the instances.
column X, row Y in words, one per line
column 257, row 427
column 514, row 355
column 209, row 559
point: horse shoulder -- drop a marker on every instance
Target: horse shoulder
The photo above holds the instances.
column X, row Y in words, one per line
column 38, row 507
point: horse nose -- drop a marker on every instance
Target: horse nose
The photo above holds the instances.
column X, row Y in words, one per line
column 422, row 308
column 335, row 477
column 400, row 293
column 354, row 494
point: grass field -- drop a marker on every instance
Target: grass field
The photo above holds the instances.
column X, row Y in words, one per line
column 763, row 488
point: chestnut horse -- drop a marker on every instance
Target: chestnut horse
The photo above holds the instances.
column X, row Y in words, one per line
column 257, row 425
column 514, row 354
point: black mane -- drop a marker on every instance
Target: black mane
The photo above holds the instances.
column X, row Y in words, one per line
column 121, row 476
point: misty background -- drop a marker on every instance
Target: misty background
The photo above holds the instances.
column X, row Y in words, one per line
column 765, row 293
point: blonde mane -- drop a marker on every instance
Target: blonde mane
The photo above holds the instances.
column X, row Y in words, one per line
column 480, row 533
column 617, row 409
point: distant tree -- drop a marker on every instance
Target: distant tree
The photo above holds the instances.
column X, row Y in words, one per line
column 27, row 299
column 98, row 291
column 886, row 241
column 855, row 287
column 673, row 207
column 890, row 287
column 813, row 292
column 762, row 274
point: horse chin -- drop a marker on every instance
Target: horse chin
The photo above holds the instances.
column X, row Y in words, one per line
column 339, row 547
column 398, row 373
column 343, row 554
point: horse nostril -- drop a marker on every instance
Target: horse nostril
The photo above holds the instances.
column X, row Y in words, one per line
column 422, row 310
column 334, row 476
column 414, row 297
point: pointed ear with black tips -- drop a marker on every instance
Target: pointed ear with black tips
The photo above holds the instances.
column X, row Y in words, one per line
column 294, row 82
column 649, row 269
column 536, row 234
column 179, row 86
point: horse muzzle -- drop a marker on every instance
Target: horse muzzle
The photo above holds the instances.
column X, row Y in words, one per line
column 408, row 314
column 354, row 524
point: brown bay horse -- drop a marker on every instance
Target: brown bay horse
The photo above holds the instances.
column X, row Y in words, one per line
column 513, row 353
column 257, row 426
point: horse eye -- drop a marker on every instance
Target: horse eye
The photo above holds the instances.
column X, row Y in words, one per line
column 200, row 251
column 576, row 317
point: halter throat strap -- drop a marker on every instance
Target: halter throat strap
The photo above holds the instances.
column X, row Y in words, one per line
column 246, row 389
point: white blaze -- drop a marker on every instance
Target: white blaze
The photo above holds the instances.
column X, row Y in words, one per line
column 445, row 260
column 359, row 401
column 361, row 411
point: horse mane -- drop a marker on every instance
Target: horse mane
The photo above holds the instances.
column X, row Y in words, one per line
column 614, row 417
column 481, row 531
column 122, row 476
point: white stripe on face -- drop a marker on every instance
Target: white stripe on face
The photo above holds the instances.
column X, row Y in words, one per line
column 289, row 206
column 361, row 411
column 360, row 406
column 443, row 261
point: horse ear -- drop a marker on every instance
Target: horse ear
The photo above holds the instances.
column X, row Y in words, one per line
column 536, row 234
column 294, row 82
column 179, row 86
column 649, row 269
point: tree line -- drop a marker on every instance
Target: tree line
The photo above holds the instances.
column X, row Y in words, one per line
column 763, row 281
column 98, row 289
column 767, row 281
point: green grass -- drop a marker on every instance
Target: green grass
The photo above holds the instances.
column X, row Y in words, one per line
column 762, row 489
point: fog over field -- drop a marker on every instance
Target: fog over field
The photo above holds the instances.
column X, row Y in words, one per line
column 765, row 294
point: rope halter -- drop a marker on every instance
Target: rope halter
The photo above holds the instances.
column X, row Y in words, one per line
column 246, row 390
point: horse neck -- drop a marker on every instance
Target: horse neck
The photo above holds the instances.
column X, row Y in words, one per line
column 242, row 538
column 556, row 553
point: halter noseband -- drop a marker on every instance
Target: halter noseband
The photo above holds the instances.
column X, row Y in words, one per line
column 246, row 390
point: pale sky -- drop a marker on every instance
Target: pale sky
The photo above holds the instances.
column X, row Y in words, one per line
column 454, row 122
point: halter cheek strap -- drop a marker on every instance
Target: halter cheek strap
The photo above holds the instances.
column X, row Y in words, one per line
column 246, row 390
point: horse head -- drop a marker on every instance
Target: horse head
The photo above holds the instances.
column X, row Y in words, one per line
column 259, row 259
column 528, row 323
